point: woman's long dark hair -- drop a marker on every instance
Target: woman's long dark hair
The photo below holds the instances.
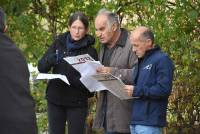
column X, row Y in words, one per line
column 79, row 16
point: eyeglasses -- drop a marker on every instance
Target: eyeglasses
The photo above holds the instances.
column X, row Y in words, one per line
column 74, row 28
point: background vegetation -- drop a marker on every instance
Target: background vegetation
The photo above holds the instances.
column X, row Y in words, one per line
column 33, row 24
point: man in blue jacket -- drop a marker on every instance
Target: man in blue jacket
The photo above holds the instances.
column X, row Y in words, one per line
column 152, row 86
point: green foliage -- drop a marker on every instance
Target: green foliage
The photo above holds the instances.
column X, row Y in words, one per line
column 38, row 93
column 176, row 23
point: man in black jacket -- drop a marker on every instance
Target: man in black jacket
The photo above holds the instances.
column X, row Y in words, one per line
column 17, row 114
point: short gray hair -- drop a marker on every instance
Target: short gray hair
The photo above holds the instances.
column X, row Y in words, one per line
column 2, row 20
column 148, row 34
column 112, row 17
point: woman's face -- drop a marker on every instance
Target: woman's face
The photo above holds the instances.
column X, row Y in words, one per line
column 77, row 30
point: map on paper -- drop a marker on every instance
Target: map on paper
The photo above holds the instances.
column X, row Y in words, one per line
column 113, row 84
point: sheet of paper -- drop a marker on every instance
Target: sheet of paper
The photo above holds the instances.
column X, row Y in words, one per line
column 112, row 84
column 92, row 84
column 84, row 64
column 52, row 76
column 87, row 68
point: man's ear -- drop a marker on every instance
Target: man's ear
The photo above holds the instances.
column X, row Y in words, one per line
column 86, row 30
column 149, row 43
column 5, row 28
column 114, row 27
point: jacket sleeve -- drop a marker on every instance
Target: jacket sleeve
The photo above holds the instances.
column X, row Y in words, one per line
column 125, row 74
column 162, row 87
column 43, row 65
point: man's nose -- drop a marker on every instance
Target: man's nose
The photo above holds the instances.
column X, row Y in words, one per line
column 98, row 34
column 133, row 49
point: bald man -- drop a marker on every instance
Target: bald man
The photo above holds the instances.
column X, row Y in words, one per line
column 152, row 80
column 116, row 55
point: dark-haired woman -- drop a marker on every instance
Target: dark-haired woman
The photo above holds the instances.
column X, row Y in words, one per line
column 68, row 103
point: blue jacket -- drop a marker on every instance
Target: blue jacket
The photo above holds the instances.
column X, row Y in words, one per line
column 152, row 78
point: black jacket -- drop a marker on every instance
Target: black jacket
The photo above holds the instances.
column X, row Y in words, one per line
column 17, row 107
column 58, row 92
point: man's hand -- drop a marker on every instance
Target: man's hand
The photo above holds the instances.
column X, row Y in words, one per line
column 104, row 70
column 129, row 89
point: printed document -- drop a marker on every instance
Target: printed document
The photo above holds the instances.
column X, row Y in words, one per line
column 87, row 66
column 113, row 84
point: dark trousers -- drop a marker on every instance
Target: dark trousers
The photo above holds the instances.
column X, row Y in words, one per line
column 59, row 115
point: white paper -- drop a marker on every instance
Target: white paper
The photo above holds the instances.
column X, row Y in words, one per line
column 92, row 84
column 84, row 64
column 88, row 68
column 52, row 76
column 112, row 84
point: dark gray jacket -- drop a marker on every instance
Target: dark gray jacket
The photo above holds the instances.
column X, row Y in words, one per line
column 17, row 107
column 118, row 111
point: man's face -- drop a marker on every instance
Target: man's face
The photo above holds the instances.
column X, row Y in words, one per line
column 104, row 32
column 139, row 46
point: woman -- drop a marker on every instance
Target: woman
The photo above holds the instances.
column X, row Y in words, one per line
column 68, row 102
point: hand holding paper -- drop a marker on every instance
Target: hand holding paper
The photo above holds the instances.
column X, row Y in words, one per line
column 129, row 89
column 104, row 69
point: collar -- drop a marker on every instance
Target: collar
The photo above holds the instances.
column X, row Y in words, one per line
column 150, row 52
column 122, row 38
